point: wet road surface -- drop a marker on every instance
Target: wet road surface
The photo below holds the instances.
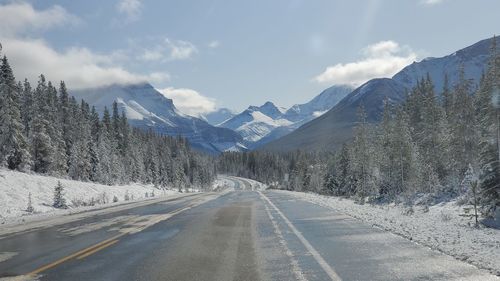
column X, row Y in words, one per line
column 243, row 234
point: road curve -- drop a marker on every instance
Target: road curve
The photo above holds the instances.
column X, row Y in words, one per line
column 233, row 235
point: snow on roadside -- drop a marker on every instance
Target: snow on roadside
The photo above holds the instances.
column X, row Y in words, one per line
column 15, row 188
column 439, row 227
column 256, row 185
column 223, row 183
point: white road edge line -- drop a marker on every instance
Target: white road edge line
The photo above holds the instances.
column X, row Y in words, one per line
column 297, row 271
column 326, row 267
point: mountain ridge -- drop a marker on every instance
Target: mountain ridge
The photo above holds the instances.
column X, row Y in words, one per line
column 147, row 108
column 259, row 125
column 333, row 128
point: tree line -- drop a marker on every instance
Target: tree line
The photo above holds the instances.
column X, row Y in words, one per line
column 45, row 130
column 439, row 146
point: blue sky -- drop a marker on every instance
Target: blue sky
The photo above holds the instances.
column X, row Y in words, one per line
column 211, row 53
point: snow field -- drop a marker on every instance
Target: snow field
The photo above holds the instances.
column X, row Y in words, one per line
column 15, row 188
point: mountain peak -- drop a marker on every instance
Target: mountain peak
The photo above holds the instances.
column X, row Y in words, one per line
column 270, row 110
column 147, row 108
column 335, row 126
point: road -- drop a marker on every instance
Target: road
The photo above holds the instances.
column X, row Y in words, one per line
column 242, row 234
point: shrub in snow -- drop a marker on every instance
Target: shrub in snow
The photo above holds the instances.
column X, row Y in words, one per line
column 78, row 202
column 30, row 208
column 103, row 198
column 425, row 209
column 126, row 197
column 115, row 199
column 445, row 216
column 152, row 193
column 408, row 211
column 470, row 186
column 59, row 201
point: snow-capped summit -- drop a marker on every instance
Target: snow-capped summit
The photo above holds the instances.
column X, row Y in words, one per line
column 271, row 110
column 145, row 107
column 472, row 59
column 333, row 128
column 256, row 122
column 318, row 105
column 219, row 116
column 259, row 125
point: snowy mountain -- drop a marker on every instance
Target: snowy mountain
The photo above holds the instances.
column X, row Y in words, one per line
column 318, row 105
column 259, row 125
column 256, row 122
column 473, row 59
column 218, row 116
column 146, row 108
column 333, row 128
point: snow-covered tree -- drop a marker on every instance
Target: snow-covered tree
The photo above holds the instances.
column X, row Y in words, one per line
column 59, row 200
column 13, row 146
column 30, row 208
column 462, row 127
column 362, row 157
column 488, row 114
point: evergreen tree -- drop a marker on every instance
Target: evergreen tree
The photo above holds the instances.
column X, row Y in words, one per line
column 362, row 157
column 27, row 104
column 463, row 136
column 59, row 200
column 488, row 114
column 447, row 96
column 41, row 146
column 13, row 146
column 30, row 208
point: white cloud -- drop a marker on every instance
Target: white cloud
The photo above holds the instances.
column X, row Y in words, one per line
column 152, row 55
column 180, row 50
column 431, row 2
column 79, row 67
column 130, row 8
column 189, row 101
column 18, row 17
column 169, row 50
column 383, row 59
column 214, row 44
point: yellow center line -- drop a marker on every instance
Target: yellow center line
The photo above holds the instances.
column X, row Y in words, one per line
column 58, row 262
column 101, row 245
column 96, row 249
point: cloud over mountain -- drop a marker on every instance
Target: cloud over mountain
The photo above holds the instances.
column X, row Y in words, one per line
column 382, row 59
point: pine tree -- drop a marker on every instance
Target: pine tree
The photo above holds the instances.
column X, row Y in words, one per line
column 347, row 182
column 386, row 156
column 13, row 146
column 59, row 200
column 30, row 208
column 396, row 153
column 27, row 105
column 488, row 114
column 447, row 97
column 59, row 165
column 361, row 157
column 66, row 118
column 463, row 137
column 41, row 146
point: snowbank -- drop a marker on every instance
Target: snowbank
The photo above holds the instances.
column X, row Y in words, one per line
column 440, row 227
column 223, row 183
column 15, row 188
column 256, row 185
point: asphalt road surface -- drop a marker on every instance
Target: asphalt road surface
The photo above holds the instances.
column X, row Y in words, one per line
column 243, row 234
